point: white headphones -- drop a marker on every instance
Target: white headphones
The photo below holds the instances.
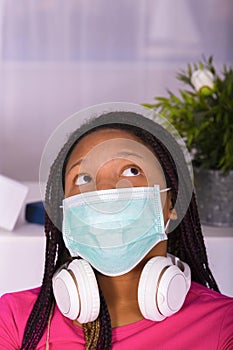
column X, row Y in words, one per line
column 76, row 291
column 163, row 286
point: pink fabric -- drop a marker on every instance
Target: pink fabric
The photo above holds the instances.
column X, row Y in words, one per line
column 204, row 322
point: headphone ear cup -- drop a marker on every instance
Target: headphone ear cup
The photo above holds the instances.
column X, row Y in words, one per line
column 171, row 291
column 66, row 294
column 147, row 289
column 88, row 290
column 162, row 288
column 76, row 291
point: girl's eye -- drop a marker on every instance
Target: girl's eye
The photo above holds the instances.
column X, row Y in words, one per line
column 82, row 179
column 131, row 171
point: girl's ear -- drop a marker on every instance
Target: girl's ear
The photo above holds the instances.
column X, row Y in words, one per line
column 172, row 214
column 172, row 211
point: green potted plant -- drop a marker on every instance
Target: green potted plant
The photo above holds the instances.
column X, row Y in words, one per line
column 203, row 115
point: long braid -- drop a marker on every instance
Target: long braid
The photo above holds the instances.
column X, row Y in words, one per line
column 98, row 334
column 91, row 333
column 38, row 318
column 105, row 336
column 40, row 313
column 192, row 248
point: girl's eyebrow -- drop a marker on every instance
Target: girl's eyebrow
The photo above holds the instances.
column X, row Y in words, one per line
column 119, row 154
column 127, row 154
column 75, row 164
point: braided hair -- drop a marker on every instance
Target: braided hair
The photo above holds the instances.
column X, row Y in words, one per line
column 186, row 241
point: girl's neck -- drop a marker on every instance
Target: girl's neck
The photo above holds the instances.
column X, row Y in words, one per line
column 120, row 294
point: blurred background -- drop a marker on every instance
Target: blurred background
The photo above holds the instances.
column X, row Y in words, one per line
column 59, row 56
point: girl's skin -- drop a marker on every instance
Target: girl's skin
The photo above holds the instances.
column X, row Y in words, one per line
column 107, row 159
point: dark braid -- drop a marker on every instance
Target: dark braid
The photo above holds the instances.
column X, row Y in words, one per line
column 40, row 313
column 105, row 336
column 191, row 247
column 91, row 332
column 55, row 249
column 186, row 241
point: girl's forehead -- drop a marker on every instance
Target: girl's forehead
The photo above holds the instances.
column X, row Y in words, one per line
column 105, row 146
column 107, row 143
column 98, row 136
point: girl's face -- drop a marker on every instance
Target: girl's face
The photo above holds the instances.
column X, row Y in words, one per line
column 112, row 158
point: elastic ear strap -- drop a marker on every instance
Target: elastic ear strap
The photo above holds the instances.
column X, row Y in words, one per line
column 167, row 224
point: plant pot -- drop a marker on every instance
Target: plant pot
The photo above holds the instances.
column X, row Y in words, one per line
column 215, row 197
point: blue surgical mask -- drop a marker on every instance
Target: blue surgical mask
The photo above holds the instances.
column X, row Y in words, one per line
column 114, row 229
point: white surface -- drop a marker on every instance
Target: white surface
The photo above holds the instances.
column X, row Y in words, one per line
column 22, row 254
column 12, row 196
column 219, row 245
column 22, row 251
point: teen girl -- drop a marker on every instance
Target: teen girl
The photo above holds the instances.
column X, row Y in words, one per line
column 126, row 265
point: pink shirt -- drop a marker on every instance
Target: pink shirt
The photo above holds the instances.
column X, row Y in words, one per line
column 204, row 322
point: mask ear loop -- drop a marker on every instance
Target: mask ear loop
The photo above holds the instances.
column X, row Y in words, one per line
column 165, row 189
column 168, row 221
column 166, row 226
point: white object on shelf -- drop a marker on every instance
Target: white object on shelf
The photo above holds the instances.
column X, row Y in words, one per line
column 12, row 196
column 22, row 251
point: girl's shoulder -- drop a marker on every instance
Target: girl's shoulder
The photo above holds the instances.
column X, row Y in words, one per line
column 200, row 293
column 15, row 309
column 24, row 298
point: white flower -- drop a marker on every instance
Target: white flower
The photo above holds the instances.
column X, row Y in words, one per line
column 202, row 78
